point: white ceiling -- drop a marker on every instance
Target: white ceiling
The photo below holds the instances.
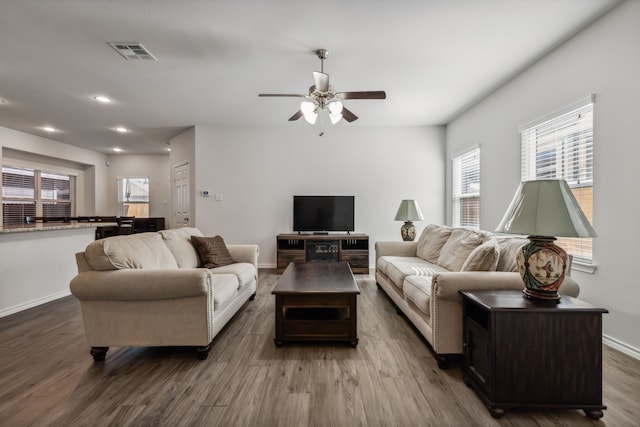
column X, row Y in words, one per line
column 433, row 58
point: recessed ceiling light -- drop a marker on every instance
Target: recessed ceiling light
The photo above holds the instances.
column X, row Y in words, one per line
column 117, row 149
column 103, row 99
column 49, row 129
column 122, row 130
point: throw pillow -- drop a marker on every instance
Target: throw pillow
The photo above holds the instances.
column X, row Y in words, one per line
column 484, row 257
column 458, row 247
column 509, row 248
column 212, row 250
column 431, row 241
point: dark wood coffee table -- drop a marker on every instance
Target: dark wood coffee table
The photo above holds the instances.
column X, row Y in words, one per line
column 316, row 302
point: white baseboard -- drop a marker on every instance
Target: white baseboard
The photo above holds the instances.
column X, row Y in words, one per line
column 33, row 303
column 267, row 266
column 621, row 346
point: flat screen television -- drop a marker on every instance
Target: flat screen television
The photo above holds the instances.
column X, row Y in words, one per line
column 320, row 214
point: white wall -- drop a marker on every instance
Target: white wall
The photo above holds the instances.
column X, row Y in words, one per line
column 603, row 59
column 37, row 266
column 156, row 167
column 95, row 197
column 257, row 170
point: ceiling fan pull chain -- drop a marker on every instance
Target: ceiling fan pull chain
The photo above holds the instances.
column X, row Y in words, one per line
column 321, row 125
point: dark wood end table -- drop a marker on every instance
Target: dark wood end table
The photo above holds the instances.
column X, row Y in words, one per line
column 528, row 354
column 316, row 302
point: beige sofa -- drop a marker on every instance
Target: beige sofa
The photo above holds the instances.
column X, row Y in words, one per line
column 149, row 290
column 423, row 278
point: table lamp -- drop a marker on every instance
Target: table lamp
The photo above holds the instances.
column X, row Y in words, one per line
column 407, row 212
column 543, row 209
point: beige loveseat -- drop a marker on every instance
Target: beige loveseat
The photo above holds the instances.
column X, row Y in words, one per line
column 423, row 278
column 149, row 290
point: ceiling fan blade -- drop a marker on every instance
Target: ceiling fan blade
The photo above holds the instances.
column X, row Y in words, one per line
column 282, row 94
column 296, row 116
column 322, row 81
column 373, row 94
column 348, row 115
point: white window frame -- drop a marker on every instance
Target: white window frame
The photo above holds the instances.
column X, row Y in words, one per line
column 465, row 167
column 122, row 199
column 566, row 136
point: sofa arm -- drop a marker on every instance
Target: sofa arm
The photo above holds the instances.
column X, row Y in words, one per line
column 139, row 284
column 399, row 248
column 245, row 253
column 446, row 285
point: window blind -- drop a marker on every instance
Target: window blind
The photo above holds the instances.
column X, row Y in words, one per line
column 18, row 195
column 562, row 148
column 466, row 189
column 31, row 192
column 55, row 192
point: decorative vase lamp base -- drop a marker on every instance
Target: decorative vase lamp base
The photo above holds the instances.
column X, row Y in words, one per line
column 542, row 265
column 408, row 231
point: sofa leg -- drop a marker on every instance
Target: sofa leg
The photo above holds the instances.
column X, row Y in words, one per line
column 203, row 351
column 443, row 361
column 99, row 353
column 252, row 297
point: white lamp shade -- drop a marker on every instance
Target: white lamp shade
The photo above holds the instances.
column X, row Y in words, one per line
column 335, row 111
column 335, row 107
column 545, row 208
column 335, row 118
column 308, row 109
column 409, row 211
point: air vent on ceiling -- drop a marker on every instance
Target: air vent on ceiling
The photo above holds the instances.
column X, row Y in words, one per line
column 130, row 50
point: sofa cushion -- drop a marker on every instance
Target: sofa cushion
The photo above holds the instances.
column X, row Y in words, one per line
column 484, row 257
column 179, row 243
column 225, row 287
column 212, row 250
column 458, row 247
column 144, row 250
column 384, row 261
column 431, row 241
column 244, row 271
column 417, row 289
column 410, row 266
column 509, row 247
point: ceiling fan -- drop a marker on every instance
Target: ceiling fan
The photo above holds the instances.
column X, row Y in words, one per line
column 321, row 96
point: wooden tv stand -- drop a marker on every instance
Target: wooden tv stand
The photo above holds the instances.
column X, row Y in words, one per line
column 352, row 248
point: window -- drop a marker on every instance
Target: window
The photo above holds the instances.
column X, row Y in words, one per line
column 561, row 147
column 133, row 197
column 466, row 189
column 31, row 192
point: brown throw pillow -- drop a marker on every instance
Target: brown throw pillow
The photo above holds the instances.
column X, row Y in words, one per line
column 212, row 250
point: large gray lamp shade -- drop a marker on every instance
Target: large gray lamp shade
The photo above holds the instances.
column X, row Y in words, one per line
column 544, row 209
column 408, row 211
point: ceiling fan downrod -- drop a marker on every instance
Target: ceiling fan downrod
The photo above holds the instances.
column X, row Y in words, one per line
column 322, row 54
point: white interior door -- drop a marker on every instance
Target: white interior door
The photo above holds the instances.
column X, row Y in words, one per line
column 181, row 195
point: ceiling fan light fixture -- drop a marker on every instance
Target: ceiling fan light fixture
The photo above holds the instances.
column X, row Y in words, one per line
column 308, row 109
column 335, row 111
column 335, row 107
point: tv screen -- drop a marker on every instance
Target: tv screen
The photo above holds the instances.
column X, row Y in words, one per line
column 323, row 213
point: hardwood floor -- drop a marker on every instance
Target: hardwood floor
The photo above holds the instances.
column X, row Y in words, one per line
column 48, row 378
